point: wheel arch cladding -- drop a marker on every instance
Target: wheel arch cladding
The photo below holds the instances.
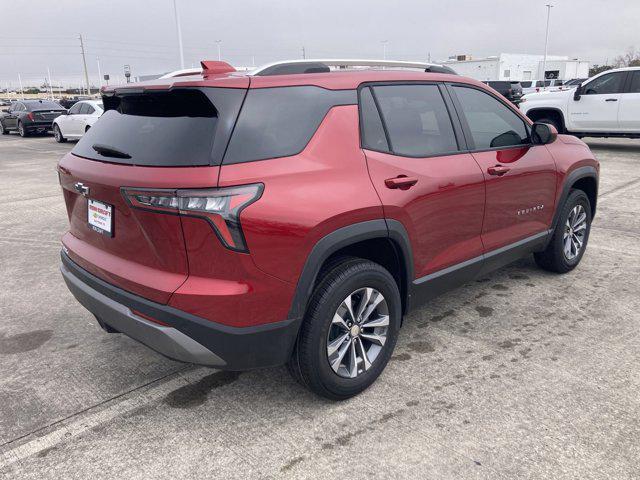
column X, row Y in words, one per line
column 582, row 178
column 384, row 242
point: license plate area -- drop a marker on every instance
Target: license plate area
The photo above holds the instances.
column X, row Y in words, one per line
column 100, row 217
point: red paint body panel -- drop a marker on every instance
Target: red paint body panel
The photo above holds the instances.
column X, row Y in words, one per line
column 305, row 197
column 442, row 212
column 146, row 254
column 529, row 183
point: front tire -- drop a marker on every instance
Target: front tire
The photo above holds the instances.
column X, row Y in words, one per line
column 349, row 331
column 3, row 131
column 22, row 131
column 570, row 237
column 553, row 122
column 57, row 134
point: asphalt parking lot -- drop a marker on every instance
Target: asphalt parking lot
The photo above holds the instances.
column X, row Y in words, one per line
column 522, row 374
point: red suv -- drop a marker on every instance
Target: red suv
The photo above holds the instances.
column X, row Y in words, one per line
column 294, row 214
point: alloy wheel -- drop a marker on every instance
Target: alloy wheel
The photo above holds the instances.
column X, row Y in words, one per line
column 56, row 133
column 574, row 232
column 358, row 332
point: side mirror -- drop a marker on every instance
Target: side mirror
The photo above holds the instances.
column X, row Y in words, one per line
column 577, row 92
column 543, row 133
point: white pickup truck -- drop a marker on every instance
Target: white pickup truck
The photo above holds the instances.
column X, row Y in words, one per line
column 606, row 105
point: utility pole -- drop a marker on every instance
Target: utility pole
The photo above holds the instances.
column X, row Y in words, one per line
column 384, row 49
column 84, row 62
column 50, row 86
column 177, row 17
column 304, row 53
column 546, row 42
column 218, row 42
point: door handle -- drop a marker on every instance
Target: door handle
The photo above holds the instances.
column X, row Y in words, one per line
column 401, row 181
column 498, row 170
column 611, row 100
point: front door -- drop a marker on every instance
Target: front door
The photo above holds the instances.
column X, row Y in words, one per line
column 422, row 178
column 597, row 108
column 520, row 177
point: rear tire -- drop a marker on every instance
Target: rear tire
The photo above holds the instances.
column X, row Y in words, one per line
column 570, row 237
column 360, row 283
column 22, row 131
column 57, row 134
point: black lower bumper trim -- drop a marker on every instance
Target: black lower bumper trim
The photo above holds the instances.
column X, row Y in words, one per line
column 240, row 348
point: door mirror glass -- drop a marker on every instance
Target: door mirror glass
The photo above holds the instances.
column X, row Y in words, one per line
column 543, row 133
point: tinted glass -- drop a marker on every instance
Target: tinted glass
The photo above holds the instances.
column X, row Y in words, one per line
column 90, row 109
column 279, row 122
column 492, row 124
column 44, row 105
column 635, row 83
column 606, row 84
column 174, row 128
column 75, row 109
column 84, row 109
column 526, row 84
column 417, row 120
column 373, row 136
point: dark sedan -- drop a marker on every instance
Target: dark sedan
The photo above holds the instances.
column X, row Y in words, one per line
column 30, row 116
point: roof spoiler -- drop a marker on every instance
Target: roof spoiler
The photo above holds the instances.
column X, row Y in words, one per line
column 215, row 67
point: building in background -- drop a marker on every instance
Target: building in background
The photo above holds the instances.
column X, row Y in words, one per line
column 518, row 67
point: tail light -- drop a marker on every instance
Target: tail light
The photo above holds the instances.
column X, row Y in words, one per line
column 30, row 116
column 221, row 207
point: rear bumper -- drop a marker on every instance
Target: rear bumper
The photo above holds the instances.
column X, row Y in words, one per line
column 188, row 338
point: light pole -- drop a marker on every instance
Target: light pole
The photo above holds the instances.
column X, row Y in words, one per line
column 179, row 30
column 384, row 49
column 99, row 73
column 21, row 89
column 218, row 42
column 50, row 85
column 546, row 42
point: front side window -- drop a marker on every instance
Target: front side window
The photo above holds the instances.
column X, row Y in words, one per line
column 492, row 124
column 606, row 84
column 417, row 120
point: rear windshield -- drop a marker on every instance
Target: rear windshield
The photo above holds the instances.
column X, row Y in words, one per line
column 183, row 127
column 43, row 105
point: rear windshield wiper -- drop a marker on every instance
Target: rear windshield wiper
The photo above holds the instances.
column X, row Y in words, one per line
column 108, row 151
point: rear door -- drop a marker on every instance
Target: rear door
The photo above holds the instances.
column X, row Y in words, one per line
column 419, row 172
column 520, row 177
column 151, row 144
column 11, row 120
column 597, row 108
column 629, row 110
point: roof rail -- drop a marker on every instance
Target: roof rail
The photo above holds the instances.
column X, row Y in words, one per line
column 323, row 65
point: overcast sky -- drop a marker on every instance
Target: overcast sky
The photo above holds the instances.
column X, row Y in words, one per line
column 40, row 34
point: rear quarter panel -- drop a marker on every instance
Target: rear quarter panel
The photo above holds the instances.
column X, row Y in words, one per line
column 306, row 196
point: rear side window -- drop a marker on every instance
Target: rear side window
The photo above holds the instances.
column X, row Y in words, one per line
column 492, row 124
column 416, row 119
column 635, row 83
column 373, row 136
column 280, row 121
column 44, row 105
column 526, row 84
column 184, row 127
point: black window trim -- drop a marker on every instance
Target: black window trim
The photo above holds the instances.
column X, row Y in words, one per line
column 471, row 148
column 457, row 128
